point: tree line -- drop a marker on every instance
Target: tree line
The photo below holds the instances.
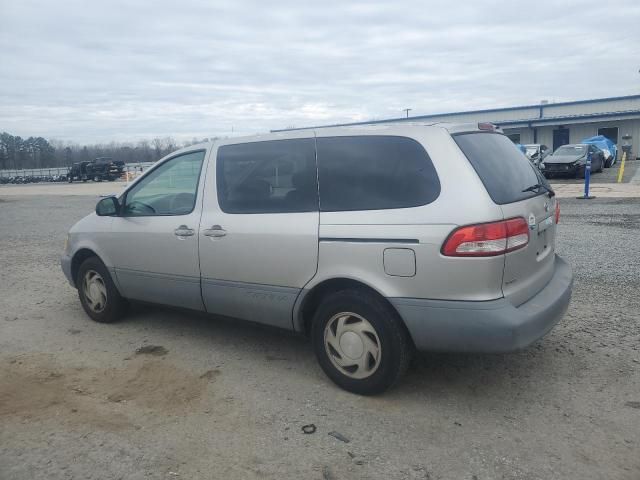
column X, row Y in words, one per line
column 36, row 152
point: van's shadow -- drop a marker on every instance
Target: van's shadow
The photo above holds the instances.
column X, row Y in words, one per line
column 432, row 374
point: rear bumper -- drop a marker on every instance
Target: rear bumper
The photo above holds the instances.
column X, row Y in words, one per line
column 491, row 326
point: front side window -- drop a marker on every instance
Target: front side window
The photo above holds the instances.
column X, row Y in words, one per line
column 169, row 189
column 277, row 176
column 374, row 172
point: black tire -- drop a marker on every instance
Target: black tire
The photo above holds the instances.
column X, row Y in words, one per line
column 396, row 348
column 608, row 162
column 114, row 307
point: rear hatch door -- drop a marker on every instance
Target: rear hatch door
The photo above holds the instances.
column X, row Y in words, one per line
column 521, row 191
column 528, row 270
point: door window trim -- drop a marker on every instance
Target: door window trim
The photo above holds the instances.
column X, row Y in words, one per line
column 155, row 167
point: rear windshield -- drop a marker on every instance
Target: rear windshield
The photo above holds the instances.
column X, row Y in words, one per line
column 503, row 169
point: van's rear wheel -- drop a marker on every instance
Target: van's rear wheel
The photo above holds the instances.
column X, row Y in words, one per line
column 98, row 294
column 360, row 342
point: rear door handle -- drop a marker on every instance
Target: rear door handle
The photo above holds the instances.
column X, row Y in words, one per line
column 183, row 231
column 215, row 231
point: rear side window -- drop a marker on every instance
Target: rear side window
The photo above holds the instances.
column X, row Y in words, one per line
column 373, row 173
column 268, row 177
column 503, row 169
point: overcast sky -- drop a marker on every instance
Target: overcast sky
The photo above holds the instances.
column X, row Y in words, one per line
column 125, row 70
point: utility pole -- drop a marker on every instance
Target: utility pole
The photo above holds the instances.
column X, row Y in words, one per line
column 407, row 110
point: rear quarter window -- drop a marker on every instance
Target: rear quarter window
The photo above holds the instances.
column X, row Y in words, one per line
column 372, row 172
column 503, row 169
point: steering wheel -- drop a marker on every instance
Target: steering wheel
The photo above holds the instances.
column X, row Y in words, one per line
column 132, row 206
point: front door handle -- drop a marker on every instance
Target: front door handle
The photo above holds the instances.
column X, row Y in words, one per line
column 183, row 231
column 215, row 231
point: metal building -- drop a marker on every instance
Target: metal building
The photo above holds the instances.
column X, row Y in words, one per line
column 554, row 124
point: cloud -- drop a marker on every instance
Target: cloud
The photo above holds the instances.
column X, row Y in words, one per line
column 125, row 70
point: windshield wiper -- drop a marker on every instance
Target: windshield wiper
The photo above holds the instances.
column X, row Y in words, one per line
column 538, row 186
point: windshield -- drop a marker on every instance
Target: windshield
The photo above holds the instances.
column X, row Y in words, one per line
column 504, row 171
column 571, row 150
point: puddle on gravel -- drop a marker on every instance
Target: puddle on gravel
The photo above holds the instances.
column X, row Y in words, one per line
column 631, row 222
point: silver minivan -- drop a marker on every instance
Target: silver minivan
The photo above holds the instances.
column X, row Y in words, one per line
column 374, row 241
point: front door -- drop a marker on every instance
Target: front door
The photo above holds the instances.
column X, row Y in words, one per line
column 610, row 132
column 259, row 229
column 560, row 137
column 154, row 242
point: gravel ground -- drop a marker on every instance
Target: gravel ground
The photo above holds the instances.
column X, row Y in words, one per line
column 168, row 395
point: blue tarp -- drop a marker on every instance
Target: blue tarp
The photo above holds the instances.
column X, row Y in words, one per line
column 603, row 143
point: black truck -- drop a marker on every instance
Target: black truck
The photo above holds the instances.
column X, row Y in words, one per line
column 102, row 168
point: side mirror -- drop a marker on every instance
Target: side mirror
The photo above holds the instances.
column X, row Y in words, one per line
column 108, row 207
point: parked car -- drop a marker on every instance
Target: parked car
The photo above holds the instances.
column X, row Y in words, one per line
column 609, row 149
column 106, row 168
column 102, row 168
column 537, row 152
column 373, row 242
column 572, row 160
column 78, row 171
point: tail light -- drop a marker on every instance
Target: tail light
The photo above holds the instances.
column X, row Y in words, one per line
column 487, row 239
column 557, row 212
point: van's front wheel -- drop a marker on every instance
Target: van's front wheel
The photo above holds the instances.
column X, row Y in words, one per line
column 98, row 294
column 360, row 342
